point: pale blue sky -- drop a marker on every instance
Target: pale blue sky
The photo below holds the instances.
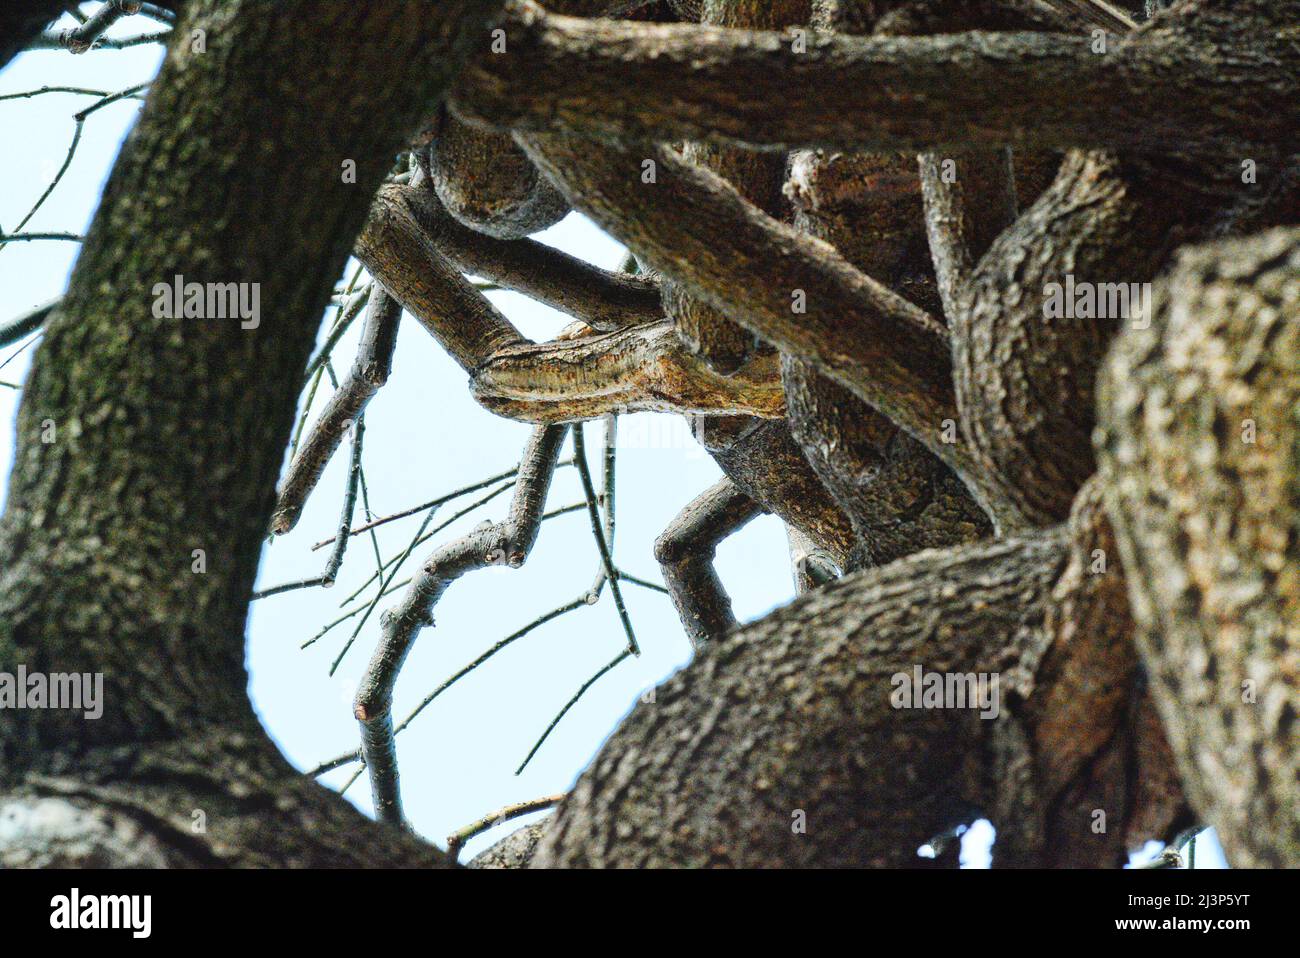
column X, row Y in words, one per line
column 424, row 436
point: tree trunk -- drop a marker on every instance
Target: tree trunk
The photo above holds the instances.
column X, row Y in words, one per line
column 133, row 528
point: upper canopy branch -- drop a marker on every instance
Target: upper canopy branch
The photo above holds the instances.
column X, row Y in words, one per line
column 793, row 290
column 634, row 370
column 1156, row 88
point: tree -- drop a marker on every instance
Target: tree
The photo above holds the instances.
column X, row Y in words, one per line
column 999, row 458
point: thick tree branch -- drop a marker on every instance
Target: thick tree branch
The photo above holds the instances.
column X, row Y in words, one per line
column 870, row 93
column 564, row 380
column 602, row 299
column 633, row 370
column 787, row 745
column 400, row 253
column 1032, row 323
column 484, row 180
column 764, row 461
column 795, row 291
column 153, row 592
column 705, row 330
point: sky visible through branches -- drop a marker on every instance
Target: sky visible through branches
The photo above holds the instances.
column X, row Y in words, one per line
column 424, row 438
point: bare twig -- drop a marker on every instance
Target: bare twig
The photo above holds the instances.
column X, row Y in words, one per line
column 369, row 372
column 609, row 666
column 506, row 543
column 607, row 560
column 327, row 577
column 28, row 323
column 457, row 839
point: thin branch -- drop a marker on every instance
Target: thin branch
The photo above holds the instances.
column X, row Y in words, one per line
column 643, row 583
column 685, row 552
column 27, row 323
column 81, row 91
column 350, row 309
column 607, row 498
column 570, row 704
column 607, row 560
column 441, row 500
column 130, row 91
column 330, row 626
column 328, row 577
column 29, row 237
column 369, row 372
column 61, row 41
column 457, row 839
column 540, row 620
column 81, row 37
column 506, row 543
column 349, row 505
column 420, row 538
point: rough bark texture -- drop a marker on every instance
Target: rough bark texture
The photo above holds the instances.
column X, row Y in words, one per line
column 1201, row 449
column 796, row 292
column 91, row 587
column 1025, row 376
column 764, row 461
column 899, row 496
column 603, row 300
column 485, row 181
column 516, row 850
column 1140, row 624
column 804, row 697
column 868, row 93
column 704, row 329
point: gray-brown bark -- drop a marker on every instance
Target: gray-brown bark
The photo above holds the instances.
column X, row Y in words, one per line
column 369, row 372
column 763, row 460
column 805, row 695
column 485, row 181
column 1201, row 454
column 796, row 292
column 603, row 300
column 130, row 541
column 114, row 584
column 685, row 553
column 869, row 93
column 704, row 329
column 503, row 543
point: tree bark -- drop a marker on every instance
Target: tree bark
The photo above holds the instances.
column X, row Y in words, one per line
column 789, row 721
column 1201, row 453
column 117, row 485
column 915, row 93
